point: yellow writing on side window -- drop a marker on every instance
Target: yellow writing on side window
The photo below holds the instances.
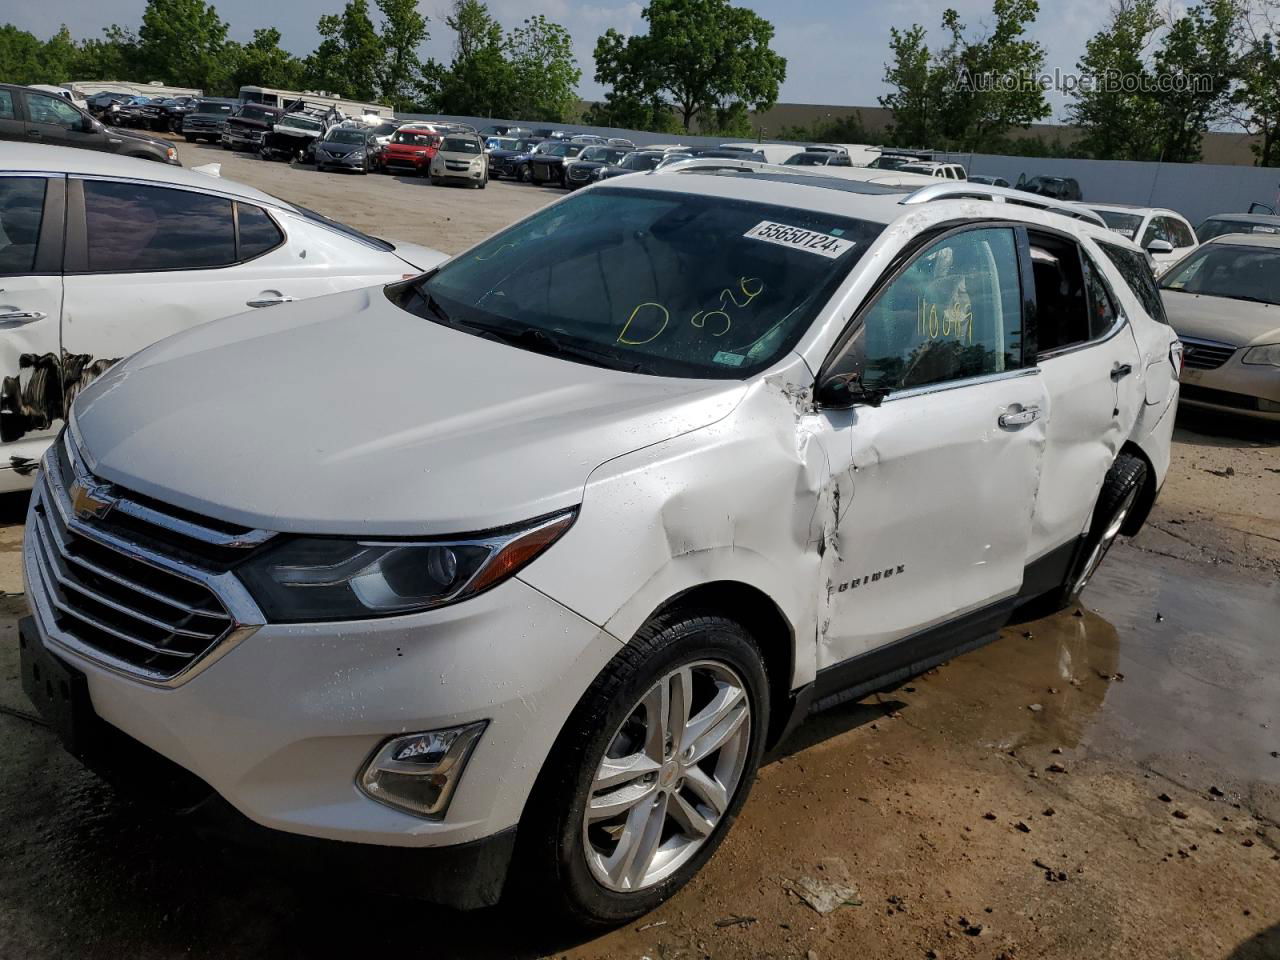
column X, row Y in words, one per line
column 955, row 321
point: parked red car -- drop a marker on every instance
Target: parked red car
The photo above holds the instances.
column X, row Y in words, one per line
column 410, row 150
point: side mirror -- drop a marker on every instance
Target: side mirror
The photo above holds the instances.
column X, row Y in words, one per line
column 1160, row 246
column 845, row 390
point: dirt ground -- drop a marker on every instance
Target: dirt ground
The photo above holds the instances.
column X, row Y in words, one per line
column 1100, row 783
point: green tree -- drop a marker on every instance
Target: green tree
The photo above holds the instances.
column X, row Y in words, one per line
column 972, row 91
column 1198, row 62
column 60, row 57
column 262, row 62
column 913, row 99
column 404, row 30
column 116, row 55
column 20, row 56
column 480, row 81
column 1256, row 102
column 1110, row 105
column 350, row 53
column 545, row 71
column 632, row 113
column 182, row 42
column 697, row 55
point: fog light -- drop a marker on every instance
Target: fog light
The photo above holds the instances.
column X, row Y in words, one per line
column 418, row 773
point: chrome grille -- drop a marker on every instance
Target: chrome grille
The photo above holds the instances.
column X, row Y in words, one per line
column 1205, row 354
column 127, row 606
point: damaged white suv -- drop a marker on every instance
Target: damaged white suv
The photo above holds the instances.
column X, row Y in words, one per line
column 511, row 572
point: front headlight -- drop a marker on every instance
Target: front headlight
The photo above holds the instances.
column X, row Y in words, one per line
column 357, row 155
column 334, row 579
column 1266, row 355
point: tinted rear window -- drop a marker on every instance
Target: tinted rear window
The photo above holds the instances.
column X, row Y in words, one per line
column 21, row 210
column 138, row 228
column 1137, row 274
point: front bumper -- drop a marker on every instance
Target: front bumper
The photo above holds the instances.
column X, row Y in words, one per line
column 346, row 162
column 1251, row 390
column 445, row 172
column 281, row 725
column 243, row 141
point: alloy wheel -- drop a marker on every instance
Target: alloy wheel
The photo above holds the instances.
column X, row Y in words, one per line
column 667, row 777
column 1104, row 542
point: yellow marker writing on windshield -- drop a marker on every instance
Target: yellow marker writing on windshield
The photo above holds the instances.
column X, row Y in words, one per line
column 666, row 318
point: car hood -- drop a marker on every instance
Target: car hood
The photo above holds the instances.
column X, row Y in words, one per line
column 207, row 116
column 347, row 415
column 1241, row 323
column 339, row 149
column 135, row 135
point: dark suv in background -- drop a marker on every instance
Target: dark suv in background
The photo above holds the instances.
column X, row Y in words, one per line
column 207, row 119
column 32, row 116
column 1059, row 188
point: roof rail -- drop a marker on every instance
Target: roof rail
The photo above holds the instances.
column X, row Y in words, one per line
column 711, row 164
column 964, row 190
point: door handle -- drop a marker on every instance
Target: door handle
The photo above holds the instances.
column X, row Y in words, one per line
column 17, row 317
column 1019, row 419
column 268, row 301
column 1120, row 371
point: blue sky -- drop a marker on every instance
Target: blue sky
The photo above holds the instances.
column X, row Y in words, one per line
column 836, row 49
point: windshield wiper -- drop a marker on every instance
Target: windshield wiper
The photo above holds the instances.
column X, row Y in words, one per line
column 539, row 341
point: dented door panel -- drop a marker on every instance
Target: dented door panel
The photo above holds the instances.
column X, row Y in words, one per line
column 939, row 518
column 32, row 392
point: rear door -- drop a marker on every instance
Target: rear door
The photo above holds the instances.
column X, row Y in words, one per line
column 12, row 126
column 31, row 228
column 1090, row 363
column 145, row 261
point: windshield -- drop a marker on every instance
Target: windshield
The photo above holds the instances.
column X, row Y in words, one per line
column 502, row 143
column 1218, row 228
column 347, row 136
column 461, row 145
column 641, row 161
column 342, row 228
column 673, row 284
column 1125, row 224
column 418, row 139
column 302, row 122
column 208, row 106
column 1227, row 270
column 385, row 129
column 808, row 160
column 256, row 113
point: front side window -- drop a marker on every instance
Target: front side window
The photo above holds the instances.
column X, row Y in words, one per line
column 135, row 228
column 52, row 110
column 1237, row 272
column 1155, row 231
column 1137, row 274
column 954, row 313
column 21, row 211
column 672, row 284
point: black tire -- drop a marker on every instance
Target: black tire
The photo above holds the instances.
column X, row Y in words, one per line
column 435, row 181
column 551, row 862
column 1120, row 490
column 525, row 174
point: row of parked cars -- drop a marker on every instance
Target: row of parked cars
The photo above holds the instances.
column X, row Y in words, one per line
column 527, row 630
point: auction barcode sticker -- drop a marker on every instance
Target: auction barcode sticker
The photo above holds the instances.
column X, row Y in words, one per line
column 810, row 241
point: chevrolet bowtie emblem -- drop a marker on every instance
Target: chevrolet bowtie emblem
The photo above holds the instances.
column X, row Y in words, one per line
column 91, row 501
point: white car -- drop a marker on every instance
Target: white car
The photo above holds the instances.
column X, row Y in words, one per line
column 930, row 168
column 1164, row 234
column 531, row 557
column 149, row 250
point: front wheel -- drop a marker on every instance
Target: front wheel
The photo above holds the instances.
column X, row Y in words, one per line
column 649, row 773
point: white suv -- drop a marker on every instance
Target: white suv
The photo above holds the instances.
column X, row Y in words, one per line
column 515, row 569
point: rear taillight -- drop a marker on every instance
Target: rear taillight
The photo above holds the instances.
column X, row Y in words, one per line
column 1175, row 357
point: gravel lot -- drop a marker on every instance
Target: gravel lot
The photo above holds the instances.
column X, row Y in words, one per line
column 1101, row 783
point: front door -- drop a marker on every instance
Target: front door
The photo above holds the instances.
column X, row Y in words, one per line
column 31, row 227
column 53, row 120
column 942, row 474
